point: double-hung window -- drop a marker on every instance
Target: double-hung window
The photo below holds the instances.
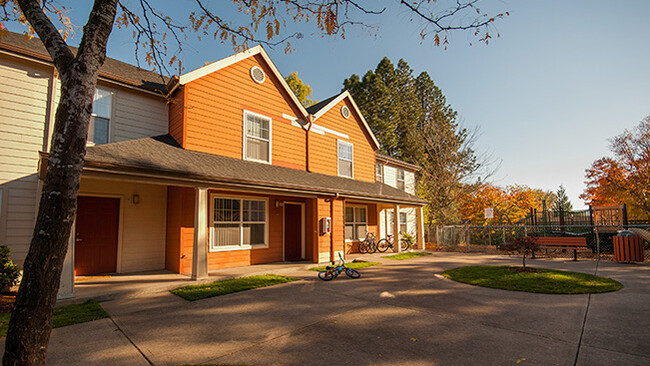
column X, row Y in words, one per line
column 100, row 120
column 257, row 137
column 379, row 171
column 356, row 224
column 403, row 226
column 401, row 184
column 346, row 158
column 238, row 223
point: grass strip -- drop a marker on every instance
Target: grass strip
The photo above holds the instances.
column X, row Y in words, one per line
column 353, row 265
column 545, row 281
column 218, row 288
column 65, row 315
column 406, row 255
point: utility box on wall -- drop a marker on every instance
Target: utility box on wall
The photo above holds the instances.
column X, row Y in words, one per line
column 325, row 225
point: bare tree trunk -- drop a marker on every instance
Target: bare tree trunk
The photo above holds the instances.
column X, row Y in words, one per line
column 523, row 260
column 31, row 321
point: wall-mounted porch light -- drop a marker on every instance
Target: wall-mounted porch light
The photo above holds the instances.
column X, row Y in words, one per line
column 135, row 199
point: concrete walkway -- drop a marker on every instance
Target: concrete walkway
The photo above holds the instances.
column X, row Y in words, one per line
column 399, row 313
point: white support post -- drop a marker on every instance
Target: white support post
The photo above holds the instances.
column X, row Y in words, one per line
column 396, row 233
column 419, row 218
column 200, row 248
column 66, row 286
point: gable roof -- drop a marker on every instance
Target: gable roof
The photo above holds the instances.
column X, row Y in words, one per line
column 112, row 69
column 230, row 60
column 391, row 160
column 142, row 156
column 318, row 110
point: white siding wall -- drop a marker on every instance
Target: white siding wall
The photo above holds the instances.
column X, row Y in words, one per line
column 24, row 111
column 409, row 181
column 390, row 176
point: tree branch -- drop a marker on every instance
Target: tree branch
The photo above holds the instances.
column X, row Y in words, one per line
column 57, row 48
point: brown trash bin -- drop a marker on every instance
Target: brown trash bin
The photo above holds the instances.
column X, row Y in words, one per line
column 628, row 249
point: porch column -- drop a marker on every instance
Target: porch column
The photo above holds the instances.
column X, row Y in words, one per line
column 396, row 233
column 66, row 286
column 419, row 219
column 200, row 248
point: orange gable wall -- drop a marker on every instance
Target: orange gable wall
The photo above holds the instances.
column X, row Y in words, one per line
column 323, row 155
column 214, row 106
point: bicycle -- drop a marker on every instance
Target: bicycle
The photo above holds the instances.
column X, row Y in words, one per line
column 332, row 272
column 369, row 244
column 386, row 243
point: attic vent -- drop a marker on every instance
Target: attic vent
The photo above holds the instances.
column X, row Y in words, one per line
column 257, row 75
column 345, row 112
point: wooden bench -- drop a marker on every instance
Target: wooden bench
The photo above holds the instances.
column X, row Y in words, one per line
column 561, row 242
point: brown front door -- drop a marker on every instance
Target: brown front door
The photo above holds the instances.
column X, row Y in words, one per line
column 292, row 232
column 96, row 233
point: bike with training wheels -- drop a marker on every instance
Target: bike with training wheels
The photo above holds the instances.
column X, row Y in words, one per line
column 331, row 272
column 387, row 243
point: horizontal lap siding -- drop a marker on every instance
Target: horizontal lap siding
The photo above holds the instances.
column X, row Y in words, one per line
column 23, row 113
column 177, row 117
column 137, row 115
column 214, row 113
column 323, row 154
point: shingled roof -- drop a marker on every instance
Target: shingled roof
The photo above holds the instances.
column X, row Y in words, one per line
column 163, row 156
column 112, row 68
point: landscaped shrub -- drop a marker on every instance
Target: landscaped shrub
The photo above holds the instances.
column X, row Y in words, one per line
column 8, row 270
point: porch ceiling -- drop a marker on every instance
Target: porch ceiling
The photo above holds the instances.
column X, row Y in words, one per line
column 162, row 156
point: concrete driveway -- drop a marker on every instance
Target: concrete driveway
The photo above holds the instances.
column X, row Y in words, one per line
column 400, row 313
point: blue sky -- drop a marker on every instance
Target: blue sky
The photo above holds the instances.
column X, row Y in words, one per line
column 563, row 78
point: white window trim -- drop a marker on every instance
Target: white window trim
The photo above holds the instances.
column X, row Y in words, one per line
column 338, row 158
column 247, row 112
column 213, row 249
column 397, row 179
column 381, row 172
column 354, row 222
column 110, row 120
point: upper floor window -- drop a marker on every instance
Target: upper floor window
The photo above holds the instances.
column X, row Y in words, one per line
column 346, row 159
column 401, row 184
column 257, row 137
column 379, row 171
column 100, row 120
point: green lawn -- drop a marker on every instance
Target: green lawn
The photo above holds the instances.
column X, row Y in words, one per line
column 198, row 292
column 547, row 281
column 406, row 255
column 65, row 315
column 353, row 265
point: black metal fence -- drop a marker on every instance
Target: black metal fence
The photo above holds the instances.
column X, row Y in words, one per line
column 489, row 239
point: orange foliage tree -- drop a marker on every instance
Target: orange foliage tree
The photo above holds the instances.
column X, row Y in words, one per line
column 510, row 204
column 625, row 177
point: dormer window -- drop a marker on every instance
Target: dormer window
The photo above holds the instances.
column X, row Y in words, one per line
column 257, row 137
column 100, row 120
column 346, row 159
column 401, row 183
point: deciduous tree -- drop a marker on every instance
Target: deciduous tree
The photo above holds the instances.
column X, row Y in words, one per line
column 158, row 39
column 624, row 177
column 300, row 89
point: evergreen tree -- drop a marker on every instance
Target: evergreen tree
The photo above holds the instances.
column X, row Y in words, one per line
column 562, row 202
column 411, row 119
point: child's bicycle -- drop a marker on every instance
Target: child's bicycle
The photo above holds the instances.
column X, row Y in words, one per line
column 332, row 272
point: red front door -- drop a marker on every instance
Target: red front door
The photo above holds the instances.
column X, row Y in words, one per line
column 96, row 235
column 292, row 232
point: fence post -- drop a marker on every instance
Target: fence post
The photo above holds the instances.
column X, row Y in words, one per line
column 597, row 243
column 503, row 232
column 468, row 238
column 489, row 236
